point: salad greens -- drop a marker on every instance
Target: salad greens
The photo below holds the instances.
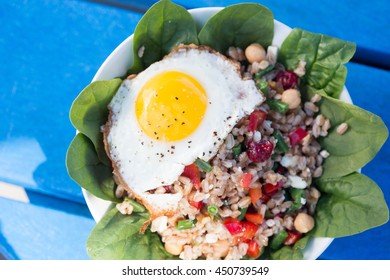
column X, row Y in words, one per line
column 349, row 205
column 118, row 237
column 359, row 145
column 350, row 202
column 88, row 171
column 291, row 252
column 163, row 27
column 324, row 57
column 238, row 25
column 89, row 112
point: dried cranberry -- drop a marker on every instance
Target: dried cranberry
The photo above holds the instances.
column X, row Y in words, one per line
column 288, row 79
column 259, row 151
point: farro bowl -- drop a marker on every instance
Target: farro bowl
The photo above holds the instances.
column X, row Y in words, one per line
column 241, row 191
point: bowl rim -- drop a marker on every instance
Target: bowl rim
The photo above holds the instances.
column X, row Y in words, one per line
column 98, row 207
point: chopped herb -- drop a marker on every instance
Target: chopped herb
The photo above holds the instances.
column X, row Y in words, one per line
column 213, row 210
column 296, row 195
column 236, row 150
column 278, row 105
column 185, row 224
column 242, row 214
column 281, row 145
column 263, row 86
column 278, row 240
column 203, row 165
column 268, row 214
column 263, row 72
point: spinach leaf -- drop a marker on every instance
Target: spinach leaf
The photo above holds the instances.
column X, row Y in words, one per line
column 164, row 26
column 89, row 112
column 291, row 252
column 324, row 57
column 117, row 237
column 238, row 25
column 362, row 141
column 88, row 171
column 349, row 205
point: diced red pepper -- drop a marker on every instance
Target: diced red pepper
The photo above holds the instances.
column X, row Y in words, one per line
column 292, row 237
column 192, row 173
column 233, row 225
column 245, row 180
column 195, row 204
column 253, row 249
column 256, row 118
column 269, row 189
column 255, row 218
column 249, row 230
column 265, row 198
column 297, row 135
column 255, row 194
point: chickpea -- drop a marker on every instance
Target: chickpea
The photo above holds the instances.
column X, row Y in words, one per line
column 303, row 223
column 174, row 248
column 255, row 52
column 292, row 97
column 221, row 248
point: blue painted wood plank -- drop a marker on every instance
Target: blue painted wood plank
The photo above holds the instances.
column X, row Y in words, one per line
column 30, row 232
column 50, row 50
column 363, row 22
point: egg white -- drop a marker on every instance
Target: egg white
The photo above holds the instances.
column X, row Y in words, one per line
column 144, row 163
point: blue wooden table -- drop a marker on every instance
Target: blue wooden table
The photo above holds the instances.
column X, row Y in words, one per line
column 49, row 52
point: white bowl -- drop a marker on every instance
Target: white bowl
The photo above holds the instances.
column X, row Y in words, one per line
column 121, row 59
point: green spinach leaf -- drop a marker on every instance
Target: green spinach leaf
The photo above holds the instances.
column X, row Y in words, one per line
column 89, row 112
column 359, row 145
column 164, row 26
column 349, row 205
column 324, row 57
column 117, row 237
column 88, row 171
column 291, row 252
column 238, row 25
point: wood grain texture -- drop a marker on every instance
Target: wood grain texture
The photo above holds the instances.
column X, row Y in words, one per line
column 32, row 232
column 50, row 51
column 363, row 22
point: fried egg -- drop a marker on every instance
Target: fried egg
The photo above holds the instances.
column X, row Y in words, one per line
column 177, row 110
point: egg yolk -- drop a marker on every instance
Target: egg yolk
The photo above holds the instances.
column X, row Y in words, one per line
column 170, row 106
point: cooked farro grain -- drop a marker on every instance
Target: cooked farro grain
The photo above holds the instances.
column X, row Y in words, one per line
column 342, row 128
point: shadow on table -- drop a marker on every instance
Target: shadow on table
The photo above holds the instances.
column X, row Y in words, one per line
column 6, row 248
